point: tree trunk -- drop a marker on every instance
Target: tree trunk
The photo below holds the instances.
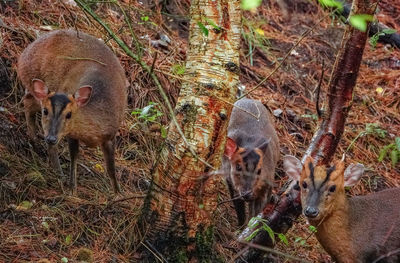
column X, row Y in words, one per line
column 324, row 143
column 179, row 209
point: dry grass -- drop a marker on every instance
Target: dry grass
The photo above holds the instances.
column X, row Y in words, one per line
column 58, row 226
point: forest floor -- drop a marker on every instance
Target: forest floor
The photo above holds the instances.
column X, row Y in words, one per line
column 39, row 222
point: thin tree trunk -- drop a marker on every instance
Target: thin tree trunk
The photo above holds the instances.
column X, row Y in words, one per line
column 325, row 140
column 182, row 201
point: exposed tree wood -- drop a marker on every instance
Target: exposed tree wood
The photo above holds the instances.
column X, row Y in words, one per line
column 182, row 200
column 326, row 138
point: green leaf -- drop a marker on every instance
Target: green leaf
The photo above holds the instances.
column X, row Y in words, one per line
column 24, row 205
column 298, row 239
column 360, row 21
column 178, row 69
column 163, row 132
column 331, row 3
column 252, row 235
column 45, row 225
column 68, row 239
column 312, row 228
column 144, row 18
column 270, row 232
column 394, row 156
column 383, row 152
column 203, row 28
column 389, row 31
column 146, row 110
column 283, row 238
column 374, row 129
column 253, row 223
column 212, row 23
column 397, row 141
column 250, row 4
column 64, row 260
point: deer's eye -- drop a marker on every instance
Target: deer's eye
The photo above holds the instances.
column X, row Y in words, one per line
column 304, row 184
column 258, row 171
column 45, row 111
column 68, row 116
column 332, row 188
column 238, row 167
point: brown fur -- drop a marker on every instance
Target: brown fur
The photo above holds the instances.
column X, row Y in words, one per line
column 358, row 229
column 66, row 61
column 250, row 125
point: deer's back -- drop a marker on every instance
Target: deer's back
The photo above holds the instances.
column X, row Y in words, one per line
column 251, row 120
column 66, row 61
column 374, row 224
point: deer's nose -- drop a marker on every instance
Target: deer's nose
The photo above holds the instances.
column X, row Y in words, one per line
column 51, row 139
column 311, row 211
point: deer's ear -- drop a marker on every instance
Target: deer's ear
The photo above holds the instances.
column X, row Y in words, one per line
column 292, row 167
column 82, row 95
column 264, row 144
column 40, row 91
column 230, row 148
column 353, row 174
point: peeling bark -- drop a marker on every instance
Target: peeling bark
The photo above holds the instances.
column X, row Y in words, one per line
column 182, row 200
column 327, row 137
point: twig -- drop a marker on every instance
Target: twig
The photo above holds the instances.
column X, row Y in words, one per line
column 232, row 199
column 154, row 62
column 125, row 199
column 88, row 59
column 270, row 250
column 154, row 251
column 128, row 22
column 391, row 253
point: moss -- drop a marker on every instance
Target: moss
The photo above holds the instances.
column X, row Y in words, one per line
column 36, row 178
column 85, row 255
column 205, row 251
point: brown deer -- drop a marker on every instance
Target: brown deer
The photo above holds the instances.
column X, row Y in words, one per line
column 357, row 229
column 251, row 154
column 78, row 84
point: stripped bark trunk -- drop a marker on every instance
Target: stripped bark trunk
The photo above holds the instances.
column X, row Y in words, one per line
column 324, row 143
column 182, row 200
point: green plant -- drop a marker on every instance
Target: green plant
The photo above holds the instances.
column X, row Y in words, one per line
column 256, row 221
column 178, row 69
column 150, row 114
column 250, row 4
column 394, row 149
column 302, row 241
column 254, row 36
column 360, row 21
column 374, row 39
column 370, row 129
column 204, row 29
column 331, row 4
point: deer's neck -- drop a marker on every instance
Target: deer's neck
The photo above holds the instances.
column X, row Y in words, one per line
column 334, row 233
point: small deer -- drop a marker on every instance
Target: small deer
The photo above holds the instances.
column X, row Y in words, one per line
column 79, row 86
column 357, row 229
column 251, row 154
